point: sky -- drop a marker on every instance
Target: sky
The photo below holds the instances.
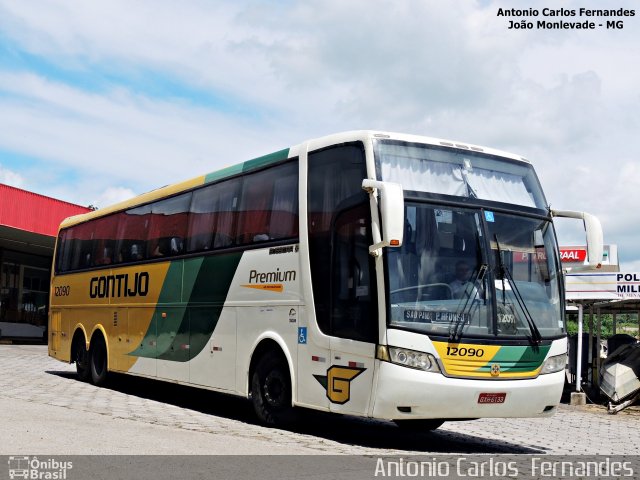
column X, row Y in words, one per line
column 103, row 100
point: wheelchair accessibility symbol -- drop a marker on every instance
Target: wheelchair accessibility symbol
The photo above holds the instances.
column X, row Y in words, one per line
column 302, row 335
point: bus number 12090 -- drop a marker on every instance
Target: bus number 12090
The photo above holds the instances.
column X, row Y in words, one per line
column 464, row 352
column 62, row 291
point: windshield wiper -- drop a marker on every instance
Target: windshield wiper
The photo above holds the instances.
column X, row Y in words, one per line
column 458, row 326
column 536, row 337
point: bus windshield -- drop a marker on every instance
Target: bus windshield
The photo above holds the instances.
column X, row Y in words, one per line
column 464, row 272
column 470, row 174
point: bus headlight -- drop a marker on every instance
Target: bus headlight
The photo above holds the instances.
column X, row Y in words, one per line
column 408, row 358
column 554, row 364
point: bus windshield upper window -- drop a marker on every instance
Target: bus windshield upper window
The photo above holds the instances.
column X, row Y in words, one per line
column 425, row 168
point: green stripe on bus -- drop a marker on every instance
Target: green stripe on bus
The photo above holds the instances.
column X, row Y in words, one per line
column 214, row 279
column 172, row 343
column 517, row 358
column 206, row 300
column 247, row 166
column 158, row 337
column 187, row 327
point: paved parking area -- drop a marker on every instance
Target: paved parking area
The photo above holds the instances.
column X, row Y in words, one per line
column 44, row 409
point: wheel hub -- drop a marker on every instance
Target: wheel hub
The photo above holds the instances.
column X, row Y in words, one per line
column 274, row 389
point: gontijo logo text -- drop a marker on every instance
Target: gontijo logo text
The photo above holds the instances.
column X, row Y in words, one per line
column 121, row 285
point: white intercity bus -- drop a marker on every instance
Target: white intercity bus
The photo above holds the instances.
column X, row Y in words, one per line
column 374, row 274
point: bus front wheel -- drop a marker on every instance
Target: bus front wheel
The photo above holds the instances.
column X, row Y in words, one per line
column 98, row 361
column 271, row 390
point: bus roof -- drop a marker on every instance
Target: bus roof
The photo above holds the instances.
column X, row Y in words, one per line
column 275, row 157
column 439, row 142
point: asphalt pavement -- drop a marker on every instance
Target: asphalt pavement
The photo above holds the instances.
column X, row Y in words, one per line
column 44, row 409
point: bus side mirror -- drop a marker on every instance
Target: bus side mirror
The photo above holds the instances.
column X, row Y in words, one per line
column 593, row 229
column 391, row 212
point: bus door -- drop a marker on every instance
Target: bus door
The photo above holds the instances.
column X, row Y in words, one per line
column 342, row 273
column 354, row 327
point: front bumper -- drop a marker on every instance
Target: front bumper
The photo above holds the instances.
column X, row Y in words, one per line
column 405, row 393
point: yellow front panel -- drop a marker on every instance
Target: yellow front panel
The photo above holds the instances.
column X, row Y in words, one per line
column 491, row 361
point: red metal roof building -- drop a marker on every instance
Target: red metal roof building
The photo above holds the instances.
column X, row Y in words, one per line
column 32, row 212
column 28, row 227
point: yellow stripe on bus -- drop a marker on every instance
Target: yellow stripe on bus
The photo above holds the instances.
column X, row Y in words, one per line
column 121, row 301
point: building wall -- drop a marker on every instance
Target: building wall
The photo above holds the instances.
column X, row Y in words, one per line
column 28, row 227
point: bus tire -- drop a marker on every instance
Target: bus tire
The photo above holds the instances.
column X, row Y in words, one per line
column 98, row 361
column 81, row 358
column 421, row 425
column 271, row 390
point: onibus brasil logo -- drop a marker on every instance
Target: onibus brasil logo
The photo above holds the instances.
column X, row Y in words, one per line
column 34, row 468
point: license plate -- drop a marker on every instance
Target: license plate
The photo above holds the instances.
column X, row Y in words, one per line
column 492, row 397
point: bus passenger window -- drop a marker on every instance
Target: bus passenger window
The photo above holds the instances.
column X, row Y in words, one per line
column 104, row 233
column 176, row 246
column 133, row 226
column 269, row 205
column 212, row 216
column 169, row 221
column 106, row 257
column 136, row 252
column 253, row 215
column 160, row 249
column 62, row 253
column 284, row 205
column 83, row 246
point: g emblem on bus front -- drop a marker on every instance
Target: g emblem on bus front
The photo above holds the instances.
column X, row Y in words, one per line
column 495, row 370
column 337, row 382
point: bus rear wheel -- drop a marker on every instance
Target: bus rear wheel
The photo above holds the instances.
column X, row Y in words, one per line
column 417, row 426
column 98, row 361
column 81, row 358
column 271, row 390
